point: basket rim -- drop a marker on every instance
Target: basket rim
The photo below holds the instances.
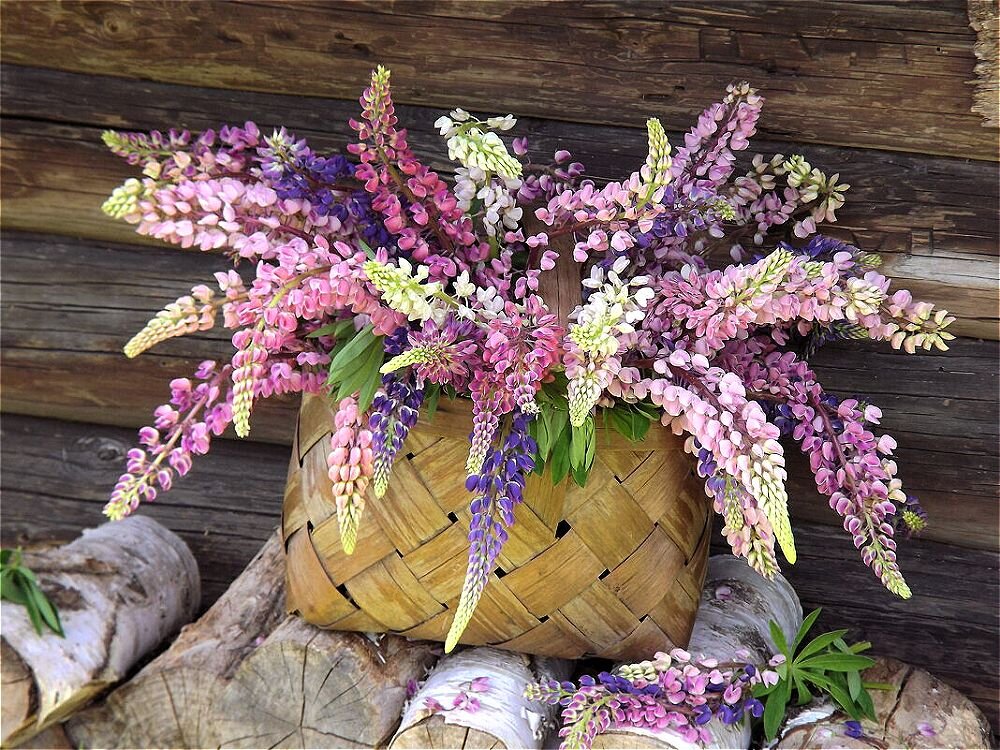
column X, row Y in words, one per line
column 453, row 418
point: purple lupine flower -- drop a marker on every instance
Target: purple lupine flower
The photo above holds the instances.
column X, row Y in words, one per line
column 497, row 488
column 394, row 413
column 853, row 729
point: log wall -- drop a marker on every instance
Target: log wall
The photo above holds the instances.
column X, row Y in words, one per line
column 888, row 94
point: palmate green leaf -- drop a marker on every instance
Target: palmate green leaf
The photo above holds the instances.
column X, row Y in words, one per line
column 632, row 424
column 807, row 622
column 11, row 588
column 833, row 685
column 803, row 695
column 345, row 360
column 46, row 611
column 854, row 687
column 865, row 703
column 837, row 662
column 9, row 557
column 774, row 710
column 559, row 462
column 779, row 640
column 820, row 643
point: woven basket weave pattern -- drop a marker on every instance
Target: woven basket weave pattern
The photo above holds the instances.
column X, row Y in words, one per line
column 613, row 569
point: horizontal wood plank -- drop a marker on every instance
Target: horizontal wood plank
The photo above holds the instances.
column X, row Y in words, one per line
column 934, row 219
column 62, row 359
column 890, row 75
column 55, row 476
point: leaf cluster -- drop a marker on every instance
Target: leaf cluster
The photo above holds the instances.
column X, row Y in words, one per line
column 569, row 451
column 19, row 585
column 355, row 361
column 825, row 665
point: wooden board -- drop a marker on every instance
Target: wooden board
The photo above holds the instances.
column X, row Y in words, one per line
column 943, row 409
column 935, row 219
column 888, row 75
column 53, row 477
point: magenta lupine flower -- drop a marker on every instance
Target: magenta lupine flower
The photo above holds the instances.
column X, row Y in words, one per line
column 674, row 693
column 444, row 354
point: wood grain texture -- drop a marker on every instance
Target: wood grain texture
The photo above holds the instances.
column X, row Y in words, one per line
column 883, row 75
column 984, row 18
column 943, row 408
column 950, row 626
column 935, row 219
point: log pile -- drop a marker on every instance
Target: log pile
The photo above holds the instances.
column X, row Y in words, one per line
column 120, row 589
column 246, row 675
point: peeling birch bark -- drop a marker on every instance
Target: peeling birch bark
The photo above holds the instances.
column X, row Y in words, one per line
column 504, row 719
column 120, row 589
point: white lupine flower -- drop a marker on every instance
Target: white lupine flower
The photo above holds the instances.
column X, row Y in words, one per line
column 402, row 289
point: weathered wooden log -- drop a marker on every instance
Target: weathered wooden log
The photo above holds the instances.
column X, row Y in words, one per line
column 120, row 589
column 918, row 711
column 247, row 675
column 502, row 719
column 172, row 701
column 736, row 606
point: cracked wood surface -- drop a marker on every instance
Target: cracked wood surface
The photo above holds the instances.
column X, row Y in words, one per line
column 245, row 675
column 888, row 75
column 916, row 711
column 120, row 590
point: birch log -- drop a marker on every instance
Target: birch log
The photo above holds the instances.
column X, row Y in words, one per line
column 171, row 702
column 503, row 718
column 736, row 607
column 120, row 589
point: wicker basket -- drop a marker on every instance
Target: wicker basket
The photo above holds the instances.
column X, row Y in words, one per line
column 614, row 569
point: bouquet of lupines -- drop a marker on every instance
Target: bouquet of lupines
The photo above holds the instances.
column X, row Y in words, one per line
column 379, row 283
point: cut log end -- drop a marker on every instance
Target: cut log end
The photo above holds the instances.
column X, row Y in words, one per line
column 320, row 688
column 917, row 711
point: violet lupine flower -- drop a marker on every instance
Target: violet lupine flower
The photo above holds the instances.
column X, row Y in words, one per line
column 497, row 488
column 351, row 466
column 394, row 413
column 297, row 173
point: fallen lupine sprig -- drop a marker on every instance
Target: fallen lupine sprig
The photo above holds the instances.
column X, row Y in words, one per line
column 679, row 693
column 377, row 282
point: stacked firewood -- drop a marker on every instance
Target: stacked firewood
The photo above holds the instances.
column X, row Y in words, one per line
column 247, row 675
